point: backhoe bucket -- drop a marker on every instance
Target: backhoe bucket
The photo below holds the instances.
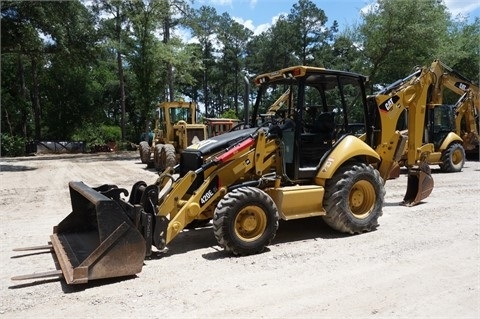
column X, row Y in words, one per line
column 395, row 171
column 420, row 185
column 97, row 239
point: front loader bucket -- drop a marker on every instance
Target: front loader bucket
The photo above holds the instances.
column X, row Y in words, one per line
column 420, row 185
column 97, row 239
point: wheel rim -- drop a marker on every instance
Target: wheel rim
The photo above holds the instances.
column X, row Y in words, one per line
column 457, row 157
column 362, row 199
column 250, row 223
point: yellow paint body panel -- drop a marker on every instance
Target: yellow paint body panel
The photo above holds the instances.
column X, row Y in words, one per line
column 295, row 202
column 436, row 156
column 348, row 148
column 451, row 137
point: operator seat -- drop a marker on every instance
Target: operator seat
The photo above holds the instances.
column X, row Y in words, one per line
column 324, row 126
column 315, row 144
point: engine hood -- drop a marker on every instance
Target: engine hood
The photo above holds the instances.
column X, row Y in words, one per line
column 220, row 142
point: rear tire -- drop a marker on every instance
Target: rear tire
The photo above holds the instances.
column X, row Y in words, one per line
column 245, row 221
column 144, row 152
column 354, row 199
column 156, row 157
column 168, row 157
column 453, row 158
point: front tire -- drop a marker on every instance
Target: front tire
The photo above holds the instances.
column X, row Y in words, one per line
column 245, row 221
column 144, row 152
column 354, row 199
column 453, row 158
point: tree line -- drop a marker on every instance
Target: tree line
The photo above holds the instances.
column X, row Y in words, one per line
column 95, row 70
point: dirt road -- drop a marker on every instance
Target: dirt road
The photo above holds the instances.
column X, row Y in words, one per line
column 422, row 261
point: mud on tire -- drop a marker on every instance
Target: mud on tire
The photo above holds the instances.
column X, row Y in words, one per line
column 245, row 221
column 354, row 198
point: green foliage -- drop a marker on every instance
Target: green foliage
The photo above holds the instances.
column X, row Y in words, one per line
column 310, row 34
column 12, row 145
column 65, row 63
column 97, row 135
column 110, row 133
column 462, row 51
column 397, row 35
column 229, row 114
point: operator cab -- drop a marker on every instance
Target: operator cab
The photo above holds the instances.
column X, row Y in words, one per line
column 324, row 105
column 440, row 122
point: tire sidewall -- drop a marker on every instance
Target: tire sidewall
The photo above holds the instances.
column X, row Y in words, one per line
column 367, row 176
column 144, row 149
column 156, row 158
column 230, row 239
column 337, row 199
column 447, row 158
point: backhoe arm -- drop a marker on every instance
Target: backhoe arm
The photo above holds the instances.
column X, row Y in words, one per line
column 412, row 96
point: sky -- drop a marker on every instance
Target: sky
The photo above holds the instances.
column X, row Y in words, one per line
column 258, row 15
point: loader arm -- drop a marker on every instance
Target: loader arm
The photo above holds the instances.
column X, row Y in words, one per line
column 244, row 162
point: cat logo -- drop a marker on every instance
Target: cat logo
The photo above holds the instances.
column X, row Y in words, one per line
column 462, row 86
column 388, row 104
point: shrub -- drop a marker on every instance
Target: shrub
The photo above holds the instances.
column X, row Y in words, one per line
column 12, row 145
column 97, row 135
column 110, row 133
column 229, row 114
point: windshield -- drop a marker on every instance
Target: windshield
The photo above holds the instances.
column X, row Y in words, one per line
column 307, row 99
column 180, row 114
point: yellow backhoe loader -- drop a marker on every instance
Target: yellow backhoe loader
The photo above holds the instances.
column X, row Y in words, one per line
column 247, row 179
column 466, row 109
column 451, row 128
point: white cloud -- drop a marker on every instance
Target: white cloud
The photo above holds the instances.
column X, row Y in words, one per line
column 221, row 2
column 185, row 35
column 259, row 28
column 457, row 8
column 462, row 7
column 249, row 25
column 246, row 23
column 369, row 7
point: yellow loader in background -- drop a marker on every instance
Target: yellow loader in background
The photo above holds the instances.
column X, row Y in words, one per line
column 175, row 128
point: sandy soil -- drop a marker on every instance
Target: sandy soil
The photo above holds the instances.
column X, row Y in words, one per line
column 422, row 261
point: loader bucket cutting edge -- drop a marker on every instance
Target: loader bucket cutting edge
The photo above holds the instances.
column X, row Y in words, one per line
column 419, row 185
column 97, row 239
